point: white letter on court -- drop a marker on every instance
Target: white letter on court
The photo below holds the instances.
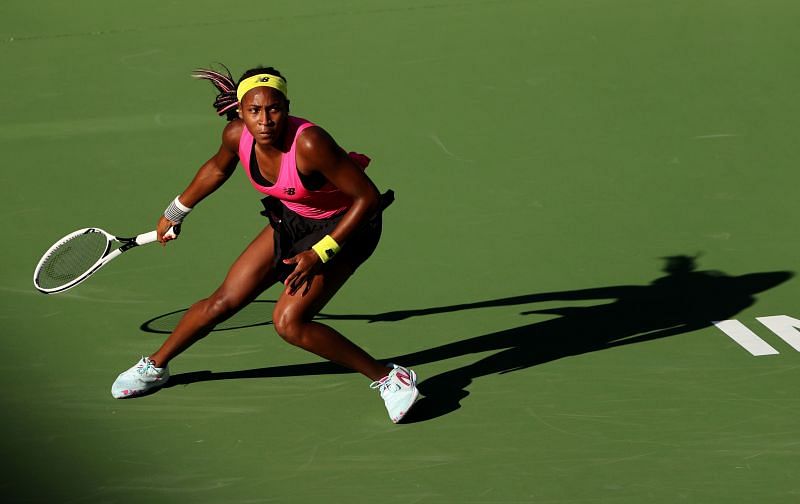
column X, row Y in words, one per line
column 745, row 337
column 785, row 327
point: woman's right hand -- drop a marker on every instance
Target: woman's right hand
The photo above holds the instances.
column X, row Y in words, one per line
column 161, row 229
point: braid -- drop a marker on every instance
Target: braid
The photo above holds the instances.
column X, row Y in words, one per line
column 225, row 102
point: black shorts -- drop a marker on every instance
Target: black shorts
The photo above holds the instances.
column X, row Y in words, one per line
column 295, row 233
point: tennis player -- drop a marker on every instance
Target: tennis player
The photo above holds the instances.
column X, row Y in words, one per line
column 324, row 221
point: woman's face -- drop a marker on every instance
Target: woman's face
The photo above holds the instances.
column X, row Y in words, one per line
column 265, row 112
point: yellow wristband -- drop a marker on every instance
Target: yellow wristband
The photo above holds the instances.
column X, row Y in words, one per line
column 326, row 248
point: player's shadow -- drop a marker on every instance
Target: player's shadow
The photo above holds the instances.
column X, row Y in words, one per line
column 682, row 301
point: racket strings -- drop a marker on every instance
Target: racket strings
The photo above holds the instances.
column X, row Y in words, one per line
column 71, row 259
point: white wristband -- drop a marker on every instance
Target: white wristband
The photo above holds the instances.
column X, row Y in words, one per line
column 176, row 211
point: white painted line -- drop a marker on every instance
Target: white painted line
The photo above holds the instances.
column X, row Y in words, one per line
column 718, row 135
column 785, row 327
column 746, row 338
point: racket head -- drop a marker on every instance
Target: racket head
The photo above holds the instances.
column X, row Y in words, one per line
column 71, row 260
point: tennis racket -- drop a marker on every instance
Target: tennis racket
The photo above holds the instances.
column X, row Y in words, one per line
column 77, row 256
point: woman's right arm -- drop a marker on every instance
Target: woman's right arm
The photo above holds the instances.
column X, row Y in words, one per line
column 210, row 176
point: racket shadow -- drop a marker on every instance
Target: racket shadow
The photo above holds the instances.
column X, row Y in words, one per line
column 259, row 313
column 681, row 302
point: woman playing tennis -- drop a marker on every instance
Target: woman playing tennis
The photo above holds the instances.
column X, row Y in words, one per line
column 324, row 221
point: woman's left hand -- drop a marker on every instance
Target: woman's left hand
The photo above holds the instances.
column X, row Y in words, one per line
column 307, row 264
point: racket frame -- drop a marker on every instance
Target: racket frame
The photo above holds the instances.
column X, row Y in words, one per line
column 108, row 254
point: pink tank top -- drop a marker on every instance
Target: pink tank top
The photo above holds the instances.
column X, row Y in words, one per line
column 326, row 202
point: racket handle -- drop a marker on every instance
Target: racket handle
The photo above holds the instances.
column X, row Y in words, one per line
column 145, row 238
column 173, row 231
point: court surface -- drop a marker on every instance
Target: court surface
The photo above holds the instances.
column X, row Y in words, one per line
column 583, row 188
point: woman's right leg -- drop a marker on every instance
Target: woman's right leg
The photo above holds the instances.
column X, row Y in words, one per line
column 249, row 276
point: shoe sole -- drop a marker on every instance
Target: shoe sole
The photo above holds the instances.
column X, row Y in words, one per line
column 130, row 394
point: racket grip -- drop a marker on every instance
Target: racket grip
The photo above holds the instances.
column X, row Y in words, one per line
column 173, row 232
column 144, row 239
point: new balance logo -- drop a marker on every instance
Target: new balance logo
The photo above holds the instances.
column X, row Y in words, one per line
column 403, row 378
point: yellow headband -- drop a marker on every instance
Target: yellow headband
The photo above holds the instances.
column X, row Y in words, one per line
column 265, row 80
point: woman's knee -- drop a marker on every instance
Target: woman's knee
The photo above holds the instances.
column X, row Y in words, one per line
column 289, row 326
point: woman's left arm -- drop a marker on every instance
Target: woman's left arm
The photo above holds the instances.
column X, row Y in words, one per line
column 317, row 152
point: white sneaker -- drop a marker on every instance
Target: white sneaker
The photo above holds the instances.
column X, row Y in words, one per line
column 139, row 379
column 398, row 390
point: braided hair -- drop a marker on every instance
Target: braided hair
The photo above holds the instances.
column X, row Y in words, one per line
column 226, row 101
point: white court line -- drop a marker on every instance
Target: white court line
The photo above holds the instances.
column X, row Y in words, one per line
column 444, row 148
column 745, row 337
column 785, row 327
column 717, row 135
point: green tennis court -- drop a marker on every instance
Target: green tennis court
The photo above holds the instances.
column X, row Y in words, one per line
column 583, row 188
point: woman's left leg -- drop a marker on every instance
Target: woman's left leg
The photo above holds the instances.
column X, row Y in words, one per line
column 293, row 321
